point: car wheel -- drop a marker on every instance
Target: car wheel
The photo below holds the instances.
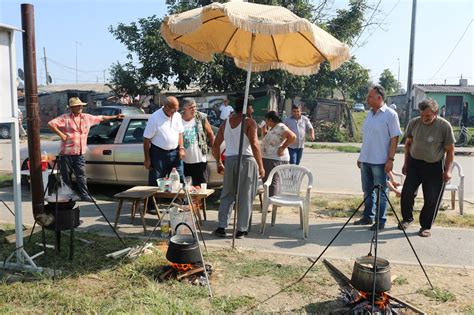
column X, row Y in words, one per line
column 24, row 178
column 4, row 132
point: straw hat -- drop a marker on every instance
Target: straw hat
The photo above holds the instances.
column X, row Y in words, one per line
column 76, row 101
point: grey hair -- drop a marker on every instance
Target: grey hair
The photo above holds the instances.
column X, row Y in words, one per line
column 188, row 100
column 428, row 103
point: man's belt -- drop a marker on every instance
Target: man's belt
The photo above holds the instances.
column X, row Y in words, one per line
column 163, row 150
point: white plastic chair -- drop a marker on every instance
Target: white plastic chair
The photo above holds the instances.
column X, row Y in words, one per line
column 290, row 178
column 456, row 184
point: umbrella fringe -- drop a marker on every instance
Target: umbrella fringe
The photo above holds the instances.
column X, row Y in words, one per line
column 258, row 25
column 260, row 67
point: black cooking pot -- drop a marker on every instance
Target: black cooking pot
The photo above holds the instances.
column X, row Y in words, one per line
column 183, row 249
column 363, row 274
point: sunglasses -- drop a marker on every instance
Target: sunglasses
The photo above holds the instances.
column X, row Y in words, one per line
column 379, row 91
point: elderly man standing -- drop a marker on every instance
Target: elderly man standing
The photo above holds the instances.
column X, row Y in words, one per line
column 429, row 155
column 299, row 124
column 163, row 143
column 252, row 166
column 73, row 129
column 379, row 143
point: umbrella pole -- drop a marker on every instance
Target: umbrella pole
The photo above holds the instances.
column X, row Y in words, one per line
column 241, row 141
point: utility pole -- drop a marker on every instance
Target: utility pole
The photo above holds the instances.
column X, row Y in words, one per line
column 76, row 59
column 398, row 75
column 104, row 76
column 46, row 67
column 410, row 64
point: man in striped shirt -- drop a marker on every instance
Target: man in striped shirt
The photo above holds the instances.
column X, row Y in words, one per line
column 73, row 129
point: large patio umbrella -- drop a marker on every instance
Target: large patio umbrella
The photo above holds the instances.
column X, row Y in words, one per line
column 258, row 37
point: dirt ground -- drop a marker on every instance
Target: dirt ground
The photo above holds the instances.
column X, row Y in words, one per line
column 318, row 292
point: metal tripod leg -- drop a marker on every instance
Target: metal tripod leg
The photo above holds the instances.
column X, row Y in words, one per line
column 409, row 242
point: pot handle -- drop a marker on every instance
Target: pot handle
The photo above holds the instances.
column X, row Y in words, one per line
column 184, row 223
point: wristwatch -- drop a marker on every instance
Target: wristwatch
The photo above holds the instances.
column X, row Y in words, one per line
column 391, row 159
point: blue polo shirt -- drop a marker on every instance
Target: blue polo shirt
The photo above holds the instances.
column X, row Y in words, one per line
column 377, row 131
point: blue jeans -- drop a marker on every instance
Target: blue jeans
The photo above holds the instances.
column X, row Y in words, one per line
column 372, row 175
column 295, row 155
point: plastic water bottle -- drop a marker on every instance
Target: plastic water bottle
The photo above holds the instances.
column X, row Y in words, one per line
column 174, row 177
column 165, row 225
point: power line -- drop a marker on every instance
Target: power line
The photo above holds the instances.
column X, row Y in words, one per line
column 454, row 48
column 372, row 33
column 368, row 22
column 73, row 68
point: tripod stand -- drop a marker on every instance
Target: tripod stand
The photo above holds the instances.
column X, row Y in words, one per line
column 54, row 183
column 378, row 189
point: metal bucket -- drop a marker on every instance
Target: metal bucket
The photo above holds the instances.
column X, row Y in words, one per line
column 363, row 274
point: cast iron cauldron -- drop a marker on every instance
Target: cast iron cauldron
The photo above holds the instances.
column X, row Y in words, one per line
column 183, row 249
column 363, row 274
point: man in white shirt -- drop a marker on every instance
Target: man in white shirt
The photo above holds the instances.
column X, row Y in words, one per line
column 163, row 142
column 379, row 144
column 225, row 110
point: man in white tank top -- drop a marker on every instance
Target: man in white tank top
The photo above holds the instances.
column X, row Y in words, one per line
column 251, row 168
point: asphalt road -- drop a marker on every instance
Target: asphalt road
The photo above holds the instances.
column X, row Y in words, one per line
column 332, row 171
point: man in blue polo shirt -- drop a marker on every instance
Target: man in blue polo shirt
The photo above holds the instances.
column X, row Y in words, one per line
column 379, row 144
column 299, row 124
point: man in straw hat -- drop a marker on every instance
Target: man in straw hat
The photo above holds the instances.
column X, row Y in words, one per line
column 73, row 129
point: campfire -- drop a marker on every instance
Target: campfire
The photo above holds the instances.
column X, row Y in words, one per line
column 360, row 302
column 190, row 273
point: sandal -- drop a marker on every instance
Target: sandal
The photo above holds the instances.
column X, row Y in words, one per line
column 404, row 225
column 424, row 233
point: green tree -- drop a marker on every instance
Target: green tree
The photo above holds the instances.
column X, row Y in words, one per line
column 150, row 59
column 388, row 81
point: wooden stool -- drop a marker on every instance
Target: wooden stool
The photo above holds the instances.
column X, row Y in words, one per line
column 136, row 195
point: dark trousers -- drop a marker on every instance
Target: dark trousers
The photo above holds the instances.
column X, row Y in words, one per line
column 295, row 155
column 269, row 165
column 162, row 163
column 76, row 164
column 198, row 171
column 430, row 176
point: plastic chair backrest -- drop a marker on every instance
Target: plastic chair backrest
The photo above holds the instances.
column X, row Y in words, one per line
column 456, row 166
column 290, row 178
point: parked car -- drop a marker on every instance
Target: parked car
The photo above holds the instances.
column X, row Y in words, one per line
column 115, row 153
column 359, row 107
column 110, row 110
column 5, row 127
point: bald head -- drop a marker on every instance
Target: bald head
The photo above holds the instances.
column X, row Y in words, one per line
column 171, row 106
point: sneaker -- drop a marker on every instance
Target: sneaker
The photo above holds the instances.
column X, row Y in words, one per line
column 424, row 232
column 374, row 226
column 240, row 234
column 404, row 224
column 220, row 232
column 363, row 221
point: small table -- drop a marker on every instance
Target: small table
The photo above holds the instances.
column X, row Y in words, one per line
column 200, row 195
column 136, row 195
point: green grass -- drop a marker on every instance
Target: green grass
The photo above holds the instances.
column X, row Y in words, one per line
column 340, row 148
column 438, row 294
column 6, row 179
column 400, row 280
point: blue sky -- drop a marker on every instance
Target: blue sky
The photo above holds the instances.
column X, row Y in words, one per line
column 440, row 25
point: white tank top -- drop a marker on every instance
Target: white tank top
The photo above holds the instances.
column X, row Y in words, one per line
column 232, row 140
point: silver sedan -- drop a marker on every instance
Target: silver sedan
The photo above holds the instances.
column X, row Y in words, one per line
column 115, row 153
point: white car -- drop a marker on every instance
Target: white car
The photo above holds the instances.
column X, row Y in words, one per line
column 115, row 153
